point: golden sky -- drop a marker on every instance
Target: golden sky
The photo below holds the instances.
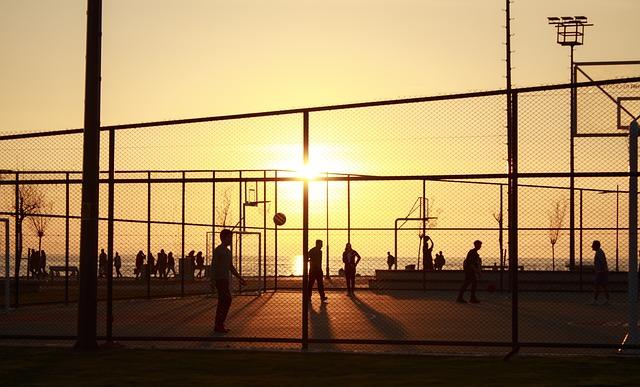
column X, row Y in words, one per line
column 165, row 59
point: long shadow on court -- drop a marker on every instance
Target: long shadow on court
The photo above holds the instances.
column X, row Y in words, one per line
column 388, row 327
column 320, row 326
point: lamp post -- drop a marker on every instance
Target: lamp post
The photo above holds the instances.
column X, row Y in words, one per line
column 570, row 32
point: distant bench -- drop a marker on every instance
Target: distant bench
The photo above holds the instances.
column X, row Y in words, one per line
column 58, row 271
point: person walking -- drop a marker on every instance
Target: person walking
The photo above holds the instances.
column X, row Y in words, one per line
column 102, row 264
column 140, row 257
column 314, row 257
column 600, row 279
column 117, row 263
column 472, row 270
column 171, row 264
column 199, row 264
column 221, row 266
column 350, row 263
column 162, row 264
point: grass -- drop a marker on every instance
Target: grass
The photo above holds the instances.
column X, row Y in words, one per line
column 29, row 366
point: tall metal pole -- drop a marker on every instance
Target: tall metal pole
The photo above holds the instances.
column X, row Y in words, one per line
column 501, row 237
column 112, row 142
column 632, row 295
column 513, row 220
column 87, row 301
column 572, row 200
column 305, row 235
column 581, row 266
column 264, row 229
column 213, row 215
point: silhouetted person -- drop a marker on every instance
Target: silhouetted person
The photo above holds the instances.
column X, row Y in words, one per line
column 391, row 260
column 600, row 279
column 472, row 269
column 162, row 264
column 171, row 264
column 140, row 257
column 199, row 264
column 314, row 257
column 438, row 263
column 102, row 264
column 117, row 263
column 427, row 253
column 33, row 262
column 350, row 263
column 191, row 263
column 43, row 263
column 221, row 265
column 151, row 264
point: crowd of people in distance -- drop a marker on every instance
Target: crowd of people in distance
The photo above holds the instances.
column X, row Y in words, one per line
column 37, row 263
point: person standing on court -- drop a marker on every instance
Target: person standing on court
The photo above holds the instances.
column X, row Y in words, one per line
column 314, row 257
column 472, row 269
column 221, row 265
column 391, row 260
column 117, row 263
column 350, row 263
column 601, row 273
column 427, row 253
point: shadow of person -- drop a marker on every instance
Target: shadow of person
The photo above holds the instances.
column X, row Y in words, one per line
column 380, row 321
column 320, row 326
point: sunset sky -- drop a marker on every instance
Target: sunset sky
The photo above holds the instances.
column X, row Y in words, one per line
column 167, row 59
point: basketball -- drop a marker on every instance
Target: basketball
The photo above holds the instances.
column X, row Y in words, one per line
column 279, row 219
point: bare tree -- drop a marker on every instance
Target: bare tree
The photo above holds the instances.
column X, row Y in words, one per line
column 556, row 222
column 39, row 223
column 31, row 200
column 499, row 217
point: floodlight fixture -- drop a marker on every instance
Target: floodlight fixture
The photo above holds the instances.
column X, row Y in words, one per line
column 570, row 29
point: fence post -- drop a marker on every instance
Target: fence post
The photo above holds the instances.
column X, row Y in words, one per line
column 632, row 293
column 264, row 228
column 110, row 210
column 581, row 285
column 66, row 243
column 513, row 219
column 149, row 268
column 275, row 236
column 18, row 238
column 327, row 223
column 305, row 235
column 182, row 260
column 7, row 270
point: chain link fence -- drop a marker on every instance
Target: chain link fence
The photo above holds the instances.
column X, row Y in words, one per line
column 436, row 166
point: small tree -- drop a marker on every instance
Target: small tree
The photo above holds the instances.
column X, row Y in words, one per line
column 499, row 217
column 39, row 223
column 222, row 211
column 556, row 222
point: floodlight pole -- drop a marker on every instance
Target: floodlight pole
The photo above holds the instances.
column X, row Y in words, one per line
column 7, row 270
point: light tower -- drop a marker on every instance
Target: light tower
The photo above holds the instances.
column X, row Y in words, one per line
column 569, row 32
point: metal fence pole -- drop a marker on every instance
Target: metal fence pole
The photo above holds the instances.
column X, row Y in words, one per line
column 349, row 208
column 66, row 243
column 18, row 242
column 110, row 211
column 264, row 228
column 7, row 270
column 87, row 297
column 275, row 236
column 513, row 220
column 182, row 260
column 149, row 268
column 632, row 295
column 327, row 223
column 581, row 285
column 305, row 235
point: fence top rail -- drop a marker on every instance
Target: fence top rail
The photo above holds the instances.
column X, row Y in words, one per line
column 327, row 108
